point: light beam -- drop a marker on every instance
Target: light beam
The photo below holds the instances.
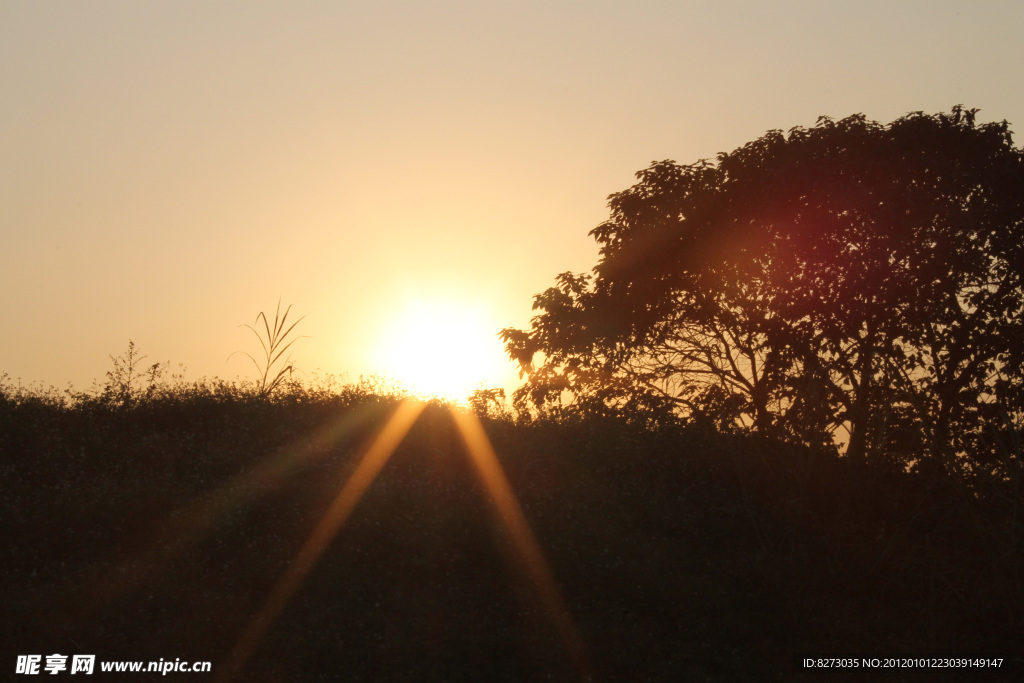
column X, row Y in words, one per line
column 365, row 473
column 528, row 551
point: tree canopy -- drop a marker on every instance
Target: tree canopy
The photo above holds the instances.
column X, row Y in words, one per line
column 853, row 285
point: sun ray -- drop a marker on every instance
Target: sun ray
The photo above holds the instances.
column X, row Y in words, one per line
column 481, row 453
column 528, row 551
column 187, row 525
column 366, row 472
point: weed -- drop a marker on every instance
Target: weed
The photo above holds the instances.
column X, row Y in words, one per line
column 126, row 374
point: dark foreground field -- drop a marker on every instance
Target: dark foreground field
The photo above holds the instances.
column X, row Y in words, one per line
column 158, row 531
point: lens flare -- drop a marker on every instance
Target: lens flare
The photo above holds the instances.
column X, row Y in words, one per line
column 188, row 525
column 480, row 451
column 528, row 551
column 365, row 473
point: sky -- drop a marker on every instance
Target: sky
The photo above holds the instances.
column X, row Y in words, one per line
column 405, row 175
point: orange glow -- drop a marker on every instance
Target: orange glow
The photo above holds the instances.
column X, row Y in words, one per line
column 528, row 551
column 366, row 472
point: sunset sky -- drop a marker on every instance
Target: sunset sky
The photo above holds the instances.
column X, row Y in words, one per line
column 407, row 175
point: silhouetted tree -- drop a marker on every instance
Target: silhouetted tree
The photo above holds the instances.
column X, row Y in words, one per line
column 851, row 283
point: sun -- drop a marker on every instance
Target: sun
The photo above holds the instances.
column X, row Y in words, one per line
column 444, row 348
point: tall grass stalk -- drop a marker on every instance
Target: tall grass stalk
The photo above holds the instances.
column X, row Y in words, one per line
column 274, row 346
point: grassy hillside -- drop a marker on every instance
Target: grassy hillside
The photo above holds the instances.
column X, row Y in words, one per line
column 157, row 529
